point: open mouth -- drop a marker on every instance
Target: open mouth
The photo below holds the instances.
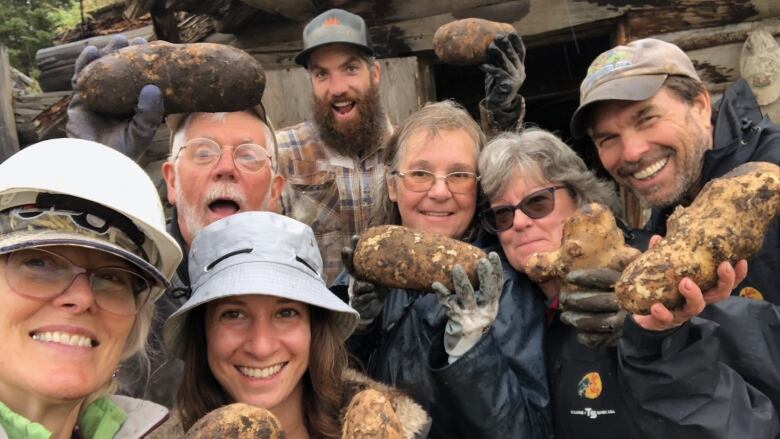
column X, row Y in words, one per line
column 65, row 338
column 437, row 214
column 652, row 170
column 224, row 206
column 343, row 107
column 265, row 372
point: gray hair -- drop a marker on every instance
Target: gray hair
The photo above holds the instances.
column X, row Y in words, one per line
column 536, row 152
column 180, row 136
column 433, row 117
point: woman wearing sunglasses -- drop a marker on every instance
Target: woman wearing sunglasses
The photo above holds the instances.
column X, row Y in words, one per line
column 475, row 360
column 535, row 183
column 83, row 257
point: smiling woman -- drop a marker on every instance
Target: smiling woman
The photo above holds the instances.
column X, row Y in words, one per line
column 54, row 229
column 262, row 329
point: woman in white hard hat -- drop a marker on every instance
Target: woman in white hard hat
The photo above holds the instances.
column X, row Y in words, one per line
column 69, row 208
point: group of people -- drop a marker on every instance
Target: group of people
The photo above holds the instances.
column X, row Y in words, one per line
column 264, row 306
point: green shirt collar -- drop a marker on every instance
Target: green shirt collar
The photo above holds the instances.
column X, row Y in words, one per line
column 101, row 420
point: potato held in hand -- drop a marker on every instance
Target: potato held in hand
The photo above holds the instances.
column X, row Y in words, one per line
column 192, row 77
column 464, row 42
column 726, row 222
column 397, row 256
column 590, row 239
column 237, row 421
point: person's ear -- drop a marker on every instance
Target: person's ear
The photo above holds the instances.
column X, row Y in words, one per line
column 169, row 175
column 702, row 109
column 276, row 188
column 376, row 74
column 391, row 192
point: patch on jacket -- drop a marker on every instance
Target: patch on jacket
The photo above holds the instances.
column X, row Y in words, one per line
column 751, row 293
column 590, row 386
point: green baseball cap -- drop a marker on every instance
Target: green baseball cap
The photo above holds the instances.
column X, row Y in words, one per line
column 334, row 26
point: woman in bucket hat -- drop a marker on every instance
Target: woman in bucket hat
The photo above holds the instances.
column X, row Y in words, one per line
column 261, row 328
column 61, row 216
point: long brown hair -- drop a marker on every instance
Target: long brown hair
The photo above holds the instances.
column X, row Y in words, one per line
column 200, row 392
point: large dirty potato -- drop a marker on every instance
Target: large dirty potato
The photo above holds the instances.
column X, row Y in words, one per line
column 400, row 257
column 465, row 42
column 590, row 239
column 726, row 222
column 370, row 415
column 192, row 77
column 237, row 421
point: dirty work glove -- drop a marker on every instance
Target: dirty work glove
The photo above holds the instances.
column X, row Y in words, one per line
column 129, row 136
column 366, row 298
column 504, row 74
column 592, row 308
column 470, row 313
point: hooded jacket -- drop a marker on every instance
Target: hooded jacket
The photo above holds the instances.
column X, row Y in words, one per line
column 497, row 389
column 740, row 135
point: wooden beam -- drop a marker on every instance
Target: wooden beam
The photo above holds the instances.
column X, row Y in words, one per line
column 9, row 143
column 715, row 36
column 297, row 10
column 136, row 8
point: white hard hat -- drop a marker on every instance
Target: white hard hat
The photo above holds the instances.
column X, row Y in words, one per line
column 106, row 180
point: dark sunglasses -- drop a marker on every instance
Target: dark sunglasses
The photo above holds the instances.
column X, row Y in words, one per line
column 536, row 205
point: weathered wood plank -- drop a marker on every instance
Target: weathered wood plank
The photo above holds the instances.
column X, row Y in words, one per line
column 298, row 10
column 9, row 142
column 276, row 46
column 715, row 36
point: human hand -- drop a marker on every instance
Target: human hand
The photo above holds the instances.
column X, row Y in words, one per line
column 470, row 313
column 366, row 298
column 129, row 136
column 504, row 72
column 591, row 307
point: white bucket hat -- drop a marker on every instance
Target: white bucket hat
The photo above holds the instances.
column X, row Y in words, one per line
column 257, row 253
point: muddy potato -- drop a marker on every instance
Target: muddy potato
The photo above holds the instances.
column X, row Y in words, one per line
column 464, row 42
column 237, row 421
column 400, row 257
column 726, row 222
column 579, row 249
column 192, row 77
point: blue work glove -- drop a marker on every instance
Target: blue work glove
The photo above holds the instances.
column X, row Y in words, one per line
column 504, row 74
column 470, row 313
column 366, row 298
column 129, row 136
column 590, row 306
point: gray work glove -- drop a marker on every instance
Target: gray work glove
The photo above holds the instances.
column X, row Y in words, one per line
column 130, row 136
column 470, row 313
column 504, row 74
column 366, row 298
column 592, row 309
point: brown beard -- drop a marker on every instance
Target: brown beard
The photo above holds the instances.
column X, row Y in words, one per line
column 357, row 137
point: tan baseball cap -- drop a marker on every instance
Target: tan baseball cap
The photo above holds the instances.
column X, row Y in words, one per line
column 633, row 72
column 759, row 64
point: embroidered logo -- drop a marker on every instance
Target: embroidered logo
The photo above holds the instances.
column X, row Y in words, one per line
column 589, row 386
column 751, row 293
column 331, row 21
column 608, row 62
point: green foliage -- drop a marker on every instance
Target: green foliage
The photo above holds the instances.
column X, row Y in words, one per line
column 29, row 25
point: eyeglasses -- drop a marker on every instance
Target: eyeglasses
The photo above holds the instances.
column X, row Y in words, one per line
column 248, row 157
column 536, row 205
column 418, row 180
column 42, row 274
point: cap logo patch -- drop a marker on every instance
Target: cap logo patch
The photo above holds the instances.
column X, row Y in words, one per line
column 331, row 21
column 589, row 386
column 608, row 62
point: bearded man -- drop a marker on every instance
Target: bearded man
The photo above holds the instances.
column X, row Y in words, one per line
column 333, row 162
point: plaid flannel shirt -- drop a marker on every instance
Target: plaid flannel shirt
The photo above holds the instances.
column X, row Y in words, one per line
column 330, row 192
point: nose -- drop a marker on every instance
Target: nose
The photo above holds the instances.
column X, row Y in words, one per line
column 521, row 220
column 634, row 148
column 262, row 340
column 338, row 85
column 225, row 168
column 78, row 297
column 439, row 190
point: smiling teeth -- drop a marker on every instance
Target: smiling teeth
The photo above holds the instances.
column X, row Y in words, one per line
column 651, row 170
column 342, row 104
column 64, row 338
column 261, row 373
column 436, row 213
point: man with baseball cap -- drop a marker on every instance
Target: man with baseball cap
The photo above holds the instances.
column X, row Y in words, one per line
column 657, row 133
column 333, row 162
